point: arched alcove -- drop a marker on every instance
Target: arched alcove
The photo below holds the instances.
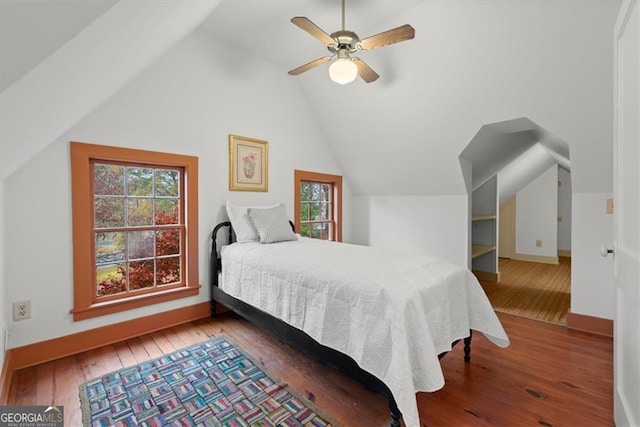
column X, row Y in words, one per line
column 518, row 179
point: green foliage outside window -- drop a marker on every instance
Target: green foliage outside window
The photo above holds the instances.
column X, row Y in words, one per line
column 315, row 210
column 137, row 227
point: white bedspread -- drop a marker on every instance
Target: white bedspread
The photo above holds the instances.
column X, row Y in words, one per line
column 392, row 312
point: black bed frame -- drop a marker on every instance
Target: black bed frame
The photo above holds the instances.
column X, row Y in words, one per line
column 297, row 338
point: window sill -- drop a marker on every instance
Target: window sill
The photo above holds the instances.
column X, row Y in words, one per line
column 109, row 307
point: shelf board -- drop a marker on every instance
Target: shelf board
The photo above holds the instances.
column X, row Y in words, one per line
column 482, row 217
column 477, row 250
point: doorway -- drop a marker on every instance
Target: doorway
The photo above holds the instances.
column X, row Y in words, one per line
column 533, row 174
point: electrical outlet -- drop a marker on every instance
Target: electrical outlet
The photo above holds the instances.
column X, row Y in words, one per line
column 538, row 243
column 21, row 310
column 609, row 206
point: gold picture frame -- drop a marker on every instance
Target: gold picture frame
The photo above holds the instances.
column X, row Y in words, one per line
column 248, row 164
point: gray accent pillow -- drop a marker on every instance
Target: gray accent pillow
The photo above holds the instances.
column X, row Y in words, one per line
column 271, row 224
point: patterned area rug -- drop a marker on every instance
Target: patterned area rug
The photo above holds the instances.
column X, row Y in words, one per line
column 208, row 384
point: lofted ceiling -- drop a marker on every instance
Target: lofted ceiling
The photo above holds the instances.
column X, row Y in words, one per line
column 263, row 27
column 471, row 63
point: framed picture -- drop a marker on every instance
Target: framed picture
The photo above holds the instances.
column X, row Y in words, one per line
column 248, row 164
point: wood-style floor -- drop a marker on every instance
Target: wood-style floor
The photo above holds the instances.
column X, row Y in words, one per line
column 548, row 376
column 533, row 290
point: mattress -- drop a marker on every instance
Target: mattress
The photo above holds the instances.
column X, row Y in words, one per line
column 392, row 312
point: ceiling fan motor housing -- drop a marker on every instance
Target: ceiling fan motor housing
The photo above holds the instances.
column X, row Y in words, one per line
column 344, row 40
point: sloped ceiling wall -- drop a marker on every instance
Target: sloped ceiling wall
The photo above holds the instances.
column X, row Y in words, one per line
column 471, row 63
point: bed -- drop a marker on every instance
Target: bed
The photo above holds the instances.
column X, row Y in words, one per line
column 383, row 317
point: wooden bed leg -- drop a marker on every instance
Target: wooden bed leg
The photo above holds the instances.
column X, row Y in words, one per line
column 396, row 415
column 467, row 348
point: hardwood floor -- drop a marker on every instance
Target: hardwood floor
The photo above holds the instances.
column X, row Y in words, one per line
column 548, row 376
column 533, row 290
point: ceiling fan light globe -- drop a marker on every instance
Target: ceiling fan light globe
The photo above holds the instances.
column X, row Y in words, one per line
column 343, row 71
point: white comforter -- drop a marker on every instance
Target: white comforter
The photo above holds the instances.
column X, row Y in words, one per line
column 392, row 312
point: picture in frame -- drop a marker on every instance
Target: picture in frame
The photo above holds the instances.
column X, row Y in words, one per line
column 248, row 164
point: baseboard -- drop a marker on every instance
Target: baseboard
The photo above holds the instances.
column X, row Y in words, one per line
column 56, row 348
column 488, row 276
column 7, row 376
column 537, row 258
column 564, row 253
column 591, row 324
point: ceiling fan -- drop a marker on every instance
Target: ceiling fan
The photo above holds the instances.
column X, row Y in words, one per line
column 342, row 44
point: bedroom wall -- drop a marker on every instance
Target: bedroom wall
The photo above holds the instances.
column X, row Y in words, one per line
column 436, row 225
column 564, row 210
column 537, row 216
column 474, row 63
column 187, row 102
column 3, row 292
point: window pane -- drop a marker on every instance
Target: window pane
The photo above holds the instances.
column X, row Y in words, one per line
column 325, row 193
column 139, row 212
column 108, row 179
column 315, row 211
column 108, row 212
column 305, row 230
column 167, row 183
column 141, row 274
column 110, row 279
column 320, row 231
column 304, row 191
column 167, row 211
column 139, row 181
column 315, row 192
column 168, row 271
column 304, row 211
column 109, row 247
column 168, row 242
column 140, row 244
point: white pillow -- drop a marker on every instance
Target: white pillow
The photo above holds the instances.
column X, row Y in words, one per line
column 271, row 224
column 245, row 232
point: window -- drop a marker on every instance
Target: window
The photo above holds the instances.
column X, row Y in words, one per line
column 318, row 205
column 135, row 230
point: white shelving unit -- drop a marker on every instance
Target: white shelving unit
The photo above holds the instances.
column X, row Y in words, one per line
column 484, row 231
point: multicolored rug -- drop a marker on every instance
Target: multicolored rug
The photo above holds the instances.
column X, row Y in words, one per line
column 208, row 384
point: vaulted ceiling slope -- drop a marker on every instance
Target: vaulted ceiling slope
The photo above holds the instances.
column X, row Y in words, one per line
column 470, row 64
column 517, row 150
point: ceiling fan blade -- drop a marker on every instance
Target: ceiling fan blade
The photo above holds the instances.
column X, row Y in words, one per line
column 309, row 65
column 313, row 29
column 400, row 34
column 365, row 72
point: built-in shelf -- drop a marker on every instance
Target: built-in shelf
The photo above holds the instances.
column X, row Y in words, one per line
column 484, row 230
column 477, row 250
column 482, row 217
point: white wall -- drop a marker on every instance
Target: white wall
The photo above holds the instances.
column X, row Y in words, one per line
column 3, row 293
column 437, row 225
column 591, row 274
column 537, row 215
column 187, row 102
column 564, row 210
column 62, row 89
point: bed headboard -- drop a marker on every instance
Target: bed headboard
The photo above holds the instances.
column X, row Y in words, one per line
column 216, row 259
